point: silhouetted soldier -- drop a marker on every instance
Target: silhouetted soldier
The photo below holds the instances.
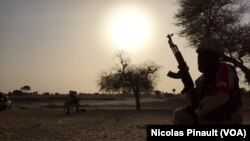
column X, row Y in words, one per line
column 216, row 91
column 72, row 101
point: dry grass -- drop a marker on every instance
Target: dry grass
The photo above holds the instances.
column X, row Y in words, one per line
column 45, row 124
column 98, row 123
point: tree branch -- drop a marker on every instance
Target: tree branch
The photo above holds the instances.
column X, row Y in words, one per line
column 239, row 65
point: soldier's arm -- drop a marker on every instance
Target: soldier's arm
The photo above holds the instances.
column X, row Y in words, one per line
column 210, row 103
column 221, row 92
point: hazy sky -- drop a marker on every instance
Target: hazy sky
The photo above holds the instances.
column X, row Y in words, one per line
column 61, row 45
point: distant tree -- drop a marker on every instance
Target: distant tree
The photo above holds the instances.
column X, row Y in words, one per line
column 17, row 93
column 26, row 88
column 57, row 94
column 96, row 93
column 127, row 77
column 35, row 93
column 10, row 93
column 157, row 93
column 46, row 94
column 221, row 19
column 173, row 90
column 73, row 92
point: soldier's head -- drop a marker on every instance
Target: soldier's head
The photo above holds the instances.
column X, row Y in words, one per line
column 209, row 52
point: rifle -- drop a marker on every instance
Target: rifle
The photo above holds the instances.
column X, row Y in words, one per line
column 183, row 72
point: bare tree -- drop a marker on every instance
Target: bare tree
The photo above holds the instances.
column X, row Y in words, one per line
column 128, row 77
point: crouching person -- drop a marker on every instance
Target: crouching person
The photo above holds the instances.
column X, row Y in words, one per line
column 72, row 101
column 5, row 103
column 216, row 92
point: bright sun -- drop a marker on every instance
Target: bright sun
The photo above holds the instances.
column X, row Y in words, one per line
column 129, row 29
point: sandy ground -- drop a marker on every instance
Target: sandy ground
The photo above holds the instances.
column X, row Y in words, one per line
column 117, row 121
